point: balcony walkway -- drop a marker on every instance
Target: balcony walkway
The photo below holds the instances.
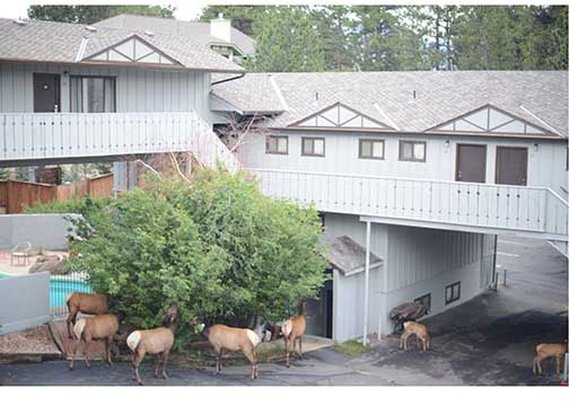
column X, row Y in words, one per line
column 28, row 139
column 474, row 207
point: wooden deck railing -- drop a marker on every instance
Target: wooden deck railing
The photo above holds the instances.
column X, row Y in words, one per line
column 531, row 209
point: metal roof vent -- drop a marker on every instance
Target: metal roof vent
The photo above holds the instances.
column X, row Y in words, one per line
column 20, row 22
column 148, row 33
column 90, row 28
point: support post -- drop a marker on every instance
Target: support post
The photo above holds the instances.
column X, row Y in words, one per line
column 366, row 292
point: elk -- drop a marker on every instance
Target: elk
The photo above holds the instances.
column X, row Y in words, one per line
column 549, row 350
column 293, row 330
column 155, row 341
column 274, row 330
column 420, row 330
column 222, row 337
column 86, row 303
column 100, row 327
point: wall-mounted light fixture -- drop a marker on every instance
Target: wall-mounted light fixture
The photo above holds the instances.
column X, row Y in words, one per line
column 447, row 144
column 535, row 147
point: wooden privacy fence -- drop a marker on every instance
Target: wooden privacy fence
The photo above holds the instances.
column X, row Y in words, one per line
column 16, row 195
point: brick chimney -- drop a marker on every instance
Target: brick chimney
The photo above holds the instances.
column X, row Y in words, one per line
column 221, row 28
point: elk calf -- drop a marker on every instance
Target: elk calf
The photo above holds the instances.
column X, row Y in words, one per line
column 549, row 350
column 420, row 330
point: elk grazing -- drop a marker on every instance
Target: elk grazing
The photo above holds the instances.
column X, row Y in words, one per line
column 293, row 330
column 86, row 303
column 100, row 327
column 420, row 330
column 222, row 337
column 156, row 341
column 549, row 350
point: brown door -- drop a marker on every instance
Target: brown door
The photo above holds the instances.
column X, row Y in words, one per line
column 511, row 166
column 46, row 93
column 471, row 163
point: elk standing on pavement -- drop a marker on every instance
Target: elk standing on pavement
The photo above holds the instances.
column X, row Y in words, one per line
column 86, row 303
column 156, row 341
column 293, row 330
column 420, row 330
column 549, row 350
column 100, row 327
column 222, row 337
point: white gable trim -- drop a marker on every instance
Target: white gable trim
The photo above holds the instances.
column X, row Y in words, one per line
column 132, row 50
column 338, row 115
column 489, row 120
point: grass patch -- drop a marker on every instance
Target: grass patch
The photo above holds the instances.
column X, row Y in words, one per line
column 351, row 347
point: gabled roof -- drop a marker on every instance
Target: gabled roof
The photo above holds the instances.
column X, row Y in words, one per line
column 339, row 116
column 411, row 102
column 199, row 31
column 45, row 41
column 490, row 119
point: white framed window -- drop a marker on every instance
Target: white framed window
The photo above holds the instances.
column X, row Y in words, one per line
column 413, row 151
column 313, row 146
column 276, row 144
column 371, row 149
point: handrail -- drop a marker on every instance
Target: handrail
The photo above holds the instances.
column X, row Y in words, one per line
column 446, row 182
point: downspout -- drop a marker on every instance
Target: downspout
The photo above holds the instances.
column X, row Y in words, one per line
column 229, row 79
column 366, row 292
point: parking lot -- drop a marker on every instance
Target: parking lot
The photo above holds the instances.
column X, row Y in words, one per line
column 487, row 341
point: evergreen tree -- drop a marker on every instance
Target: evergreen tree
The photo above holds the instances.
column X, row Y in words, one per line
column 287, row 41
column 91, row 14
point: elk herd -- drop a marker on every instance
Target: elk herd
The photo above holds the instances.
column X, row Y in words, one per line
column 103, row 326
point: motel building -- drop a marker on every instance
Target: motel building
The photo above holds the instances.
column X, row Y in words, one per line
column 415, row 174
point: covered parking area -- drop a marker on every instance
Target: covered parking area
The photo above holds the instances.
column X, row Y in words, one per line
column 491, row 339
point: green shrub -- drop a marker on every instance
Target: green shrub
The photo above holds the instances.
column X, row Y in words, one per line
column 218, row 248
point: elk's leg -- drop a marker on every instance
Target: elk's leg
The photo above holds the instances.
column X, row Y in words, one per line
column 558, row 359
column 86, row 350
column 300, row 347
column 108, row 345
column 136, row 363
column 286, row 351
column 157, row 364
column 165, row 363
column 72, row 364
column 218, row 362
column 250, row 354
column 71, row 321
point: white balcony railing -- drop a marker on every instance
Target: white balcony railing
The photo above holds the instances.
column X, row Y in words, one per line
column 530, row 209
column 37, row 136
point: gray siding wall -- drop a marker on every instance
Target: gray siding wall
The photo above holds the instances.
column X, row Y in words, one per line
column 137, row 90
column 47, row 231
column 546, row 164
column 417, row 261
column 24, row 302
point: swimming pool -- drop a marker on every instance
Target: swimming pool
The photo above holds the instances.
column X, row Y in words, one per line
column 62, row 285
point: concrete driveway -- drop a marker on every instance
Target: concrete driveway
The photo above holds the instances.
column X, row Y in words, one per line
column 487, row 341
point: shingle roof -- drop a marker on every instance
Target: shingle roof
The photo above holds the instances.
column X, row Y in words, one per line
column 199, row 31
column 536, row 96
column 45, row 41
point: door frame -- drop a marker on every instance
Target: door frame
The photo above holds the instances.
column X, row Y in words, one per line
column 57, row 89
column 497, row 160
column 457, row 163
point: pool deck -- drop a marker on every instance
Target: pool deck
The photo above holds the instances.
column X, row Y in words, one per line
column 16, row 270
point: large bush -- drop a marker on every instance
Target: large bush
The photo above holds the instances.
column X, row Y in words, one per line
column 218, row 247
